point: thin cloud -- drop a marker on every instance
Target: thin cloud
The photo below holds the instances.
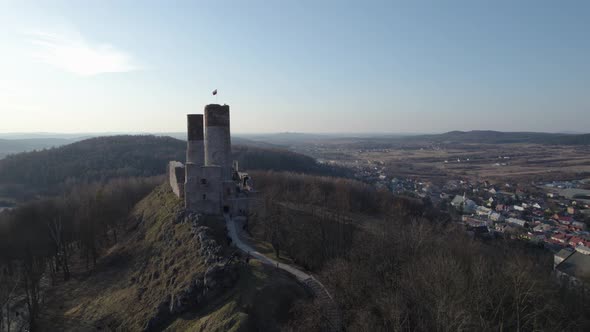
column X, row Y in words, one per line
column 75, row 54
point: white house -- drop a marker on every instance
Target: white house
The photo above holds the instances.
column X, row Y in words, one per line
column 496, row 217
column 482, row 211
column 518, row 208
column 516, row 221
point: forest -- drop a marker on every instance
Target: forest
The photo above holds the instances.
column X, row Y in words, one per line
column 393, row 263
column 39, row 240
column 25, row 176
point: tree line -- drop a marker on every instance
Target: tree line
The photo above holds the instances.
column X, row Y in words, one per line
column 40, row 240
column 314, row 218
column 25, row 176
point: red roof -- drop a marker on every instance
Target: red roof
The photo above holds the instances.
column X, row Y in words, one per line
column 552, row 241
column 560, row 236
column 566, row 219
column 574, row 240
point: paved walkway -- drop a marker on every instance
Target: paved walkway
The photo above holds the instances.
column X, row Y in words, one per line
column 234, row 234
column 332, row 314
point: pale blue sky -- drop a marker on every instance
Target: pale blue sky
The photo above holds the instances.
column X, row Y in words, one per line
column 306, row 66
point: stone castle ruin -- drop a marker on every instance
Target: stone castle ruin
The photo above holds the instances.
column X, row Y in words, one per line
column 209, row 182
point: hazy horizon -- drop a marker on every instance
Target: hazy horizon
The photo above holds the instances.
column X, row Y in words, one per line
column 328, row 67
column 181, row 134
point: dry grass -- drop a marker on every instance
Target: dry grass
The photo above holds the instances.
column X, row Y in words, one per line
column 261, row 301
column 525, row 160
column 154, row 259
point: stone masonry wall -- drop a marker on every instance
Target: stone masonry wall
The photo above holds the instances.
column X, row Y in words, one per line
column 176, row 177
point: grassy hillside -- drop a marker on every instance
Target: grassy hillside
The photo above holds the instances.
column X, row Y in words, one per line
column 158, row 259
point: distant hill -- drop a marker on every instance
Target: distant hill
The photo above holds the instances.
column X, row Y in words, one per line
column 497, row 137
column 11, row 146
column 17, row 143
column 303, row 141
column 461, row 137
column 103, row 158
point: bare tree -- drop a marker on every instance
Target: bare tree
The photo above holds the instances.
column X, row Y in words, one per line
column 9, row 281
column 56, row 230
column 33, row 268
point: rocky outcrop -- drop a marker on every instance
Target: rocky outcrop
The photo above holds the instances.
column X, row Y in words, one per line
column 220, row 275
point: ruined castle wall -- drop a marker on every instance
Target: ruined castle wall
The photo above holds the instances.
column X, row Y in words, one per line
column 217, row 138
column 241, row 205
column 176, row 177
column 203, row 189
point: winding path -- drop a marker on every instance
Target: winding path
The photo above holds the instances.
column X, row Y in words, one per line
column 330, row 310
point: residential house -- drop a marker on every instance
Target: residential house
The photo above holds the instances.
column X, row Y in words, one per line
column 565, row 220
column 575, row 269
column 483, row 211
column 518, row 208
column 561, row 256
column 583, row 249
column 574, row 241
column 458, row 201
column 500, row 207
column 516, row 221
column 496, row 217
column 560, row 237
column 542, row 228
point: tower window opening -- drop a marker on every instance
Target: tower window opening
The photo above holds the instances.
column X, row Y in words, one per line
column 204, row 196
column 203, row 181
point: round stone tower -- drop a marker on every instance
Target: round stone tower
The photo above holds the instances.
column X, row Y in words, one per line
column 195, row 150
column 217, row 139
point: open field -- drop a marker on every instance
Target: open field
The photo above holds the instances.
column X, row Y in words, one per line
column 438, row 162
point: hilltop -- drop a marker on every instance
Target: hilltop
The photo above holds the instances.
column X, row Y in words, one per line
column 164, row 274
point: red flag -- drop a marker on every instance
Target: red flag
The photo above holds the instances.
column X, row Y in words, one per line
column 214, row 92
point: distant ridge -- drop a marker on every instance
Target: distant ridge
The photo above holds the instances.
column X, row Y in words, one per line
column 456, row 136
column 11, row 146
column 498, row 137
column 103, row 158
